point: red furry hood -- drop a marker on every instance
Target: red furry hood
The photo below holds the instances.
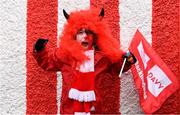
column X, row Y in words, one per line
column 88, row 19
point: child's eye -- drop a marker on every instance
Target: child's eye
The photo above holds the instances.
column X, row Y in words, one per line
column 80, row 32
column 87, row 31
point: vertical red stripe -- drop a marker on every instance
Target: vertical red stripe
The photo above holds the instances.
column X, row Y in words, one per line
column 110, row 104
column 40, row 85
column 165, row 40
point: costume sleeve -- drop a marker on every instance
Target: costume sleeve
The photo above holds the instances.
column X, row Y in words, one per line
column 48, row 59
column 127, row 66
column 116, row 67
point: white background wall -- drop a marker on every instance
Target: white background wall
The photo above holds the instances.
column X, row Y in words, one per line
column 12, row 56
column 134, row 14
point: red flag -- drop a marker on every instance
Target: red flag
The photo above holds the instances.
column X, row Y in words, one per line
column 153, row 79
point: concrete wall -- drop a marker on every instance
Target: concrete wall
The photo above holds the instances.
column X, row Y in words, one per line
column 13, row 57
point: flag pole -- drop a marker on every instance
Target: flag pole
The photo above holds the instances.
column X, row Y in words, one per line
column 122, row 67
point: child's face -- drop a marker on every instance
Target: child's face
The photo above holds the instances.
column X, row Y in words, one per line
column 85, row 38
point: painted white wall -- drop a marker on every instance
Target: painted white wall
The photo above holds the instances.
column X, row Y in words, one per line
column 134, row 14
column 12, row 57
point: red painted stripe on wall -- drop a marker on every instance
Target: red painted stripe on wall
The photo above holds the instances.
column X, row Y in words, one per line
column 165, row 40
column 110, row 94
column 40, row 85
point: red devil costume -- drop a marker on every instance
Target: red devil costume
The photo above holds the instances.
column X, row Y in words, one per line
column 82, row 68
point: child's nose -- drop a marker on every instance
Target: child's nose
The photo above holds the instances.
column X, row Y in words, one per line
column 84, row 34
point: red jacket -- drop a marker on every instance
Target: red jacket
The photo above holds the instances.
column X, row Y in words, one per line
column 107, row 81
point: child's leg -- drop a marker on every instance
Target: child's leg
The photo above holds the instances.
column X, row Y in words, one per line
column 78, row 106
column 87, row 106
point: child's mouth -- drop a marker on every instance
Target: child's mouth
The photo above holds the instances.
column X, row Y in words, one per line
column 84, row 44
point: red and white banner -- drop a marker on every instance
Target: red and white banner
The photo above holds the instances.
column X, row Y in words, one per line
column 153, row 79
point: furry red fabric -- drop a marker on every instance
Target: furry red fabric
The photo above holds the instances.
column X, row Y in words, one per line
column 88, row 19
column 65, row 58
